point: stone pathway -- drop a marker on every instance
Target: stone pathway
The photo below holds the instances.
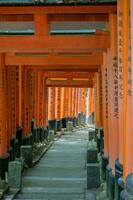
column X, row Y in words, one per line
column 61, row 173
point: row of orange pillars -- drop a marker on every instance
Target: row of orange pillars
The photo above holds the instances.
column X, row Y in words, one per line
column 28, row 109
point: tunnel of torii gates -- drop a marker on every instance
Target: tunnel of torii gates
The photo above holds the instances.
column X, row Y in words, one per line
column 45, row 79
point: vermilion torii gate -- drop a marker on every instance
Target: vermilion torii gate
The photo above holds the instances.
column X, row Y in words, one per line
column 34, row 69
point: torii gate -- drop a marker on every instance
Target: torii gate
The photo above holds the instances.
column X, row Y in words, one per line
column 25, row 61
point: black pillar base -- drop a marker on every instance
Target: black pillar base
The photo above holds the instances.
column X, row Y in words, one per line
column 74, row 122
column 45, row 133
column 104, row 165
column 15, row 147
column 34, row 135
column 108, row 170
column 59, row 125
column 63, row 122
column 19, row 136
column 101, row 140
column 111, row 186
column 11, row 154
column 52, row 125
column 97, row 139
column 32, row 126
column 119, row 185
column 28, row 140
column 3, row 166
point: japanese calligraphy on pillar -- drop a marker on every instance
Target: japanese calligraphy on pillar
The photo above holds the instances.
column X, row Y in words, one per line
column 120, row 44
column 115, row 80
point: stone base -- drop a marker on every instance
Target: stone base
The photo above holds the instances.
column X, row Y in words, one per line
column 15, row 174
column 103, row 166
column 69, row 126
column 52, row 125
column 92, row 155
column 91, row 135
column 4, row 166
column 26, row 154
column 59, row 125
column 122, row 195
column 108, row 170
column 119, row 186
column 111, row 186
column 51, row 135
column 79, row 119
column 129, row 188
column 93, row 175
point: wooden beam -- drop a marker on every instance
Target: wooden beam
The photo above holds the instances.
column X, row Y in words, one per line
column 55, row 17
column 58, row 9
column 88, row 69
column 69, row 83
column 55, row 60
column 75, row 74
column 53, row 43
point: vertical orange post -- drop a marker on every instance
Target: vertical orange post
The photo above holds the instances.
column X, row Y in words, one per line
column 51, row 109
column 79, row 106
column 105, row 106
column 3, row 119
column 45, row 102
column 58, row 108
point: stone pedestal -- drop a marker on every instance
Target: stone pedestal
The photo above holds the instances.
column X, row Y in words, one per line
column 15, row 174
column 92, row 154
column 51, row 135
column 93, row 175
column 26, row 154
column 91, row 135
column 128, row 193
column 119, row 185
column 69, row 126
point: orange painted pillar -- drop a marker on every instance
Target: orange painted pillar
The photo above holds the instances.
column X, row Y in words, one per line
column 112, row 73
column 51, row 109
column 58, row 108
column 70, row 103
column 65, row 107
column 45, row 102
column 79, row 106
column 91, row 105
column 3, row 119
column 74, row 106
column 105, row 106
column 120, row 81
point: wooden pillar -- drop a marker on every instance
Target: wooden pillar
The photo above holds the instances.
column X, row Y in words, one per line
column 105, row 105
column 3, row 118
column 51, row 109
column 58, row 108
column 113, row 94
column 45, row 102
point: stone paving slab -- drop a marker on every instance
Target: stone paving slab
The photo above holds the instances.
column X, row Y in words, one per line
column 61, row 173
